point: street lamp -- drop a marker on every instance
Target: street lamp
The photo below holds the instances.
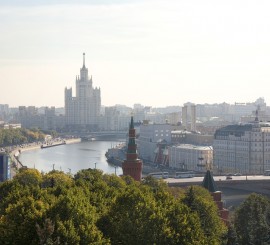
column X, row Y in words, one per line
column 95, row 165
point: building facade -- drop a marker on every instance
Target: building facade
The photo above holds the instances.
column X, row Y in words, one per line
column 150, row 136
column 190, row 157
column 29, row 117
column 4, row 167
column 242, row 148
column 83, row 110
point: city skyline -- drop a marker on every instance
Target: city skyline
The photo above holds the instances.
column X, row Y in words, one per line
column 172, row 52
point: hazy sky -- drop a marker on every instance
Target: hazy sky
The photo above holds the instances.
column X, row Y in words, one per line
column 153, row 52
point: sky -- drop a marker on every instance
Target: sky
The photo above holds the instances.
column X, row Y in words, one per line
column 153, row 52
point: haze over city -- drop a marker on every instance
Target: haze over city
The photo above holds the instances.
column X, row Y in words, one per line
column 150, row 52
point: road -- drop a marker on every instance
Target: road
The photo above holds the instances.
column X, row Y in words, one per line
column 219, row 178
column 235, row 190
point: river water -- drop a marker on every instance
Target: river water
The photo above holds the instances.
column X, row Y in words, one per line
column 71, row 157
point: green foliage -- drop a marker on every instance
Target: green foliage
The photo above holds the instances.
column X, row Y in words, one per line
column 57, row 178
column 75, row 219
column 199, row 200
column 138, row 217
column 19, row 136
column 28, row 177
column 231, row 235
column 252, row 220
column 45, row 233
column 96, row 208
column 19, row 219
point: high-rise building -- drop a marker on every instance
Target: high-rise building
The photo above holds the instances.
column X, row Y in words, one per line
column 132, row 166
column 83, row 110
column 184, row 117
column 189, row 116
column 193, row 118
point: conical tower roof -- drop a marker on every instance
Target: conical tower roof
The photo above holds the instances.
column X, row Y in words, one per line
column 208, row 182
column 131, row 125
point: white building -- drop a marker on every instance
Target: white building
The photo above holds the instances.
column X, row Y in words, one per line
column 150, row 136
column 242, row 148
column 190, row 157
column 189, row 116
column 83, row 110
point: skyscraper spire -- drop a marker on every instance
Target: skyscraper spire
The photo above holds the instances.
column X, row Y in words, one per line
column 83, row 60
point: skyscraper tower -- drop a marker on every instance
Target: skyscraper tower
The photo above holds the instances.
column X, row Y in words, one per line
column 184, row 117
column 193, row 118
column 83, row 110
column 132, row 166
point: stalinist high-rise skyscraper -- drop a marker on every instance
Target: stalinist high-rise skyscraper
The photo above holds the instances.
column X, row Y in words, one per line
column 83, row 110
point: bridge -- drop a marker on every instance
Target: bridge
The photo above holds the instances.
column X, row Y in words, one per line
column 104, row 135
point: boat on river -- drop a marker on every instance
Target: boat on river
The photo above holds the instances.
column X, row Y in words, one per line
column 116, row 155
column 52, row 144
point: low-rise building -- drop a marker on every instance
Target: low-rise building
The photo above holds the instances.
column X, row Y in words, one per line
column 150, row 136
column 242, row 148
column 190, row 157
column 194, row 138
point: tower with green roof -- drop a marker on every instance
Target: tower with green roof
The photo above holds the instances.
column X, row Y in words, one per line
column 132, row 166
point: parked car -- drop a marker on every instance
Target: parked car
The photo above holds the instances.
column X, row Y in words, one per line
column 237, row 174
column 229, row 177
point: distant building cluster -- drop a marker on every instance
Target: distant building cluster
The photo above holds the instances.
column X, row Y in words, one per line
column 157, row 143
column 225, row 137
column 242, row 148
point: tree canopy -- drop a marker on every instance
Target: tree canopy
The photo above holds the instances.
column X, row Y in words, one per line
column 252, row 221
column 97, row 208
column 19, row 136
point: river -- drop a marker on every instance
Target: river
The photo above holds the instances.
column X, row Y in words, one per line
column 71, row 157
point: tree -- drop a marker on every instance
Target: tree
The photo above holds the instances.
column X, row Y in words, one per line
column 57, row 178
column 75, row 219
column 132, row 219
column 28, row 177
column 199, row 200
column 231, row 235
column 17, row 223
column 45, row 233
column 137, row 217
column 252, row 220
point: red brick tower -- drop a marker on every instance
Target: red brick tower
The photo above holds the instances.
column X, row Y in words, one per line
column 209, row 184
column 132, row 166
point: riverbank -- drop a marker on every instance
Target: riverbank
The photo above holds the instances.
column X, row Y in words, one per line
column 15, row 151
column 37, row 145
